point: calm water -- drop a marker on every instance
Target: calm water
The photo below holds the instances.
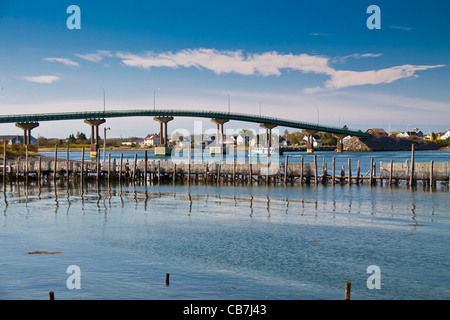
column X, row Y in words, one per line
column 294, row 242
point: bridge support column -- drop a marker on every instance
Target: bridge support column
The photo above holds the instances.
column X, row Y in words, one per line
column 95, row 143
column 310, row 141
column 268, row 127
column 163, row 148
column 219, row 148
column 27, row 127
column 340, row 142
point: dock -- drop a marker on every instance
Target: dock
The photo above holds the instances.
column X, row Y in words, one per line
column 273, row 173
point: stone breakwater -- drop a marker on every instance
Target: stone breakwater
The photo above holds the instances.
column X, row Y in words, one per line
column 355, row 144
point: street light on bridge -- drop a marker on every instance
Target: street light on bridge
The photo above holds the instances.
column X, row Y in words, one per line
column 154, row 98
column 104, row 103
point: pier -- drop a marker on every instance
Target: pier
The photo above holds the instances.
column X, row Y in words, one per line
column 281, row 172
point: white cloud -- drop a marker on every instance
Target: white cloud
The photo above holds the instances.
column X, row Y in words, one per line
column 355, row 56
column 95, row 57
column 266, row 64
column 65, row 61
column 42, row 79
column 401, row 28
column 344, row 78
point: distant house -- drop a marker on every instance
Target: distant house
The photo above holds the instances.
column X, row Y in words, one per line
column 151, row 140
column 413, row 133
column 315, row 139
column 377, row 132
column 10, row 140
column 446, row 135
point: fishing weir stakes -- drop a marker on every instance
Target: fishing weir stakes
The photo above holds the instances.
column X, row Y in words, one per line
column 164, row 171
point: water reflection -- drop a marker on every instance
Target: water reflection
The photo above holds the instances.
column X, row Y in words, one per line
column 308, row 204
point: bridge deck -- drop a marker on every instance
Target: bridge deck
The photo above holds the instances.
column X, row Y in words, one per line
column 23, row 118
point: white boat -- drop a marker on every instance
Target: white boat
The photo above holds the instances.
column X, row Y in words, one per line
column 263, row 150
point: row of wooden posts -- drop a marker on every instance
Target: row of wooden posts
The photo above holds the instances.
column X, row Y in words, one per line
column 163, row 170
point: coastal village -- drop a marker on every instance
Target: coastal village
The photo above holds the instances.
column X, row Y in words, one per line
column 381, row 140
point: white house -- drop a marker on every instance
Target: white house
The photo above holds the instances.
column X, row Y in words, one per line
column 316, row 140
column 10, row 140
column 414, row 132
column 151, row 140
column 446, row 135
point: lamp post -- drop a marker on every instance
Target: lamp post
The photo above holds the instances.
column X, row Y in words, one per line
column 104, row 143
column 229, row 101
column 104, row 102
column 154, row 98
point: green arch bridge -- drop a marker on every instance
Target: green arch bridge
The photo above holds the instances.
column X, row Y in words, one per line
column 94, row 118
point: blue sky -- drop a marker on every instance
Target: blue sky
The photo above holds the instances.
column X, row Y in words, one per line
column 305, row 60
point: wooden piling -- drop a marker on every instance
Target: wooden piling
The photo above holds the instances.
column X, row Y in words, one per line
column 145, row 166
column 159, row 171
column 349, row 171
column 67, row 163
column 371, row 171
column 82, row 166
column 301, row 170
column 56, row 162
column 39, row 169
column 411, row 176
column 167, row 279
column 51, row 295
column 348, row 287
column 4, row 160
column 315, row 170
column 431, row 173
column 135, row 166
column 109, row 166
column 333, row 174
column 286, row 164
column 174, row 172
column 358, row 172
column 97, row 160
column 26, row 162
column 121, row 167
column 391, row 168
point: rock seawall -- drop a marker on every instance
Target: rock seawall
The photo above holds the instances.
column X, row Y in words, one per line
column 356, row 144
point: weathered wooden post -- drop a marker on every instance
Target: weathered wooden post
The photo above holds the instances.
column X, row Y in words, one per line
column 358, row 172
column 97, row 159
column 348, row 287
column 411, row 176
column 371, row 171
column 391, row 168
column 82, row 166
column 145, row 166
column 55, row 166
column 301, row 171
column 67, row 162
column 315, row 170
column 333, row 174
column 349, row 171
column 134, row 166
column 109, row 166
column 121, row 167
column 4, row 160
column 286, row 165
column 40, row 168
column 431, row 174
column 26, row 162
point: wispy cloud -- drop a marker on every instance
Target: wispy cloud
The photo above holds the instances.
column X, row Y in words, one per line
column 41, row 79
column 355, row 56
column 65, row 61
column 401, row 28
column 95, row 57
column 266, row 64
column 344, row 78
column 272, row 64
